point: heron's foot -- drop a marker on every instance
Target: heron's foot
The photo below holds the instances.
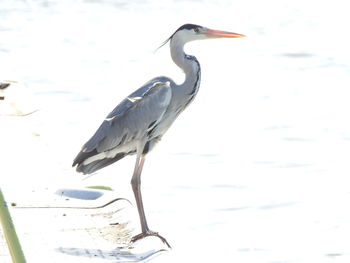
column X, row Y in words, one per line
column 150, row 233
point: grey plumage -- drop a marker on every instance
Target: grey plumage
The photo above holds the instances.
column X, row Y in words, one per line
column 127, row 128
column 139, row 121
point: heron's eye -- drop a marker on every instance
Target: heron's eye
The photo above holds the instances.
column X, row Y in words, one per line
column 196, row 30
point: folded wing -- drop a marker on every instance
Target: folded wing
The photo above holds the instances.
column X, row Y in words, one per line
column 126, row 127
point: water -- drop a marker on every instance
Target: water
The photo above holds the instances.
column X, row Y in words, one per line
column 256, row 170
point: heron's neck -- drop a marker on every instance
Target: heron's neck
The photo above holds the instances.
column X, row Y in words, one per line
column 189, row 64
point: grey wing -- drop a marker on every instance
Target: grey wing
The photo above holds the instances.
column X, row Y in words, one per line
column 128, row 123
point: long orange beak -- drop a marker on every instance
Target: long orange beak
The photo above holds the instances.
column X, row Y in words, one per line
column 218, row 33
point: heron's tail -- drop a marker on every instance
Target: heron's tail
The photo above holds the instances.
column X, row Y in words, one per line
column 86, row 167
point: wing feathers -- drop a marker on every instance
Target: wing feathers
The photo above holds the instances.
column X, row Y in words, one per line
column 128, row 123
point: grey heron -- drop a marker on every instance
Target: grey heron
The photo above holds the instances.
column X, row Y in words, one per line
column 138, row 123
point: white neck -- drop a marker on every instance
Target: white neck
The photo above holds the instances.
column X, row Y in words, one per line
column 188, row 64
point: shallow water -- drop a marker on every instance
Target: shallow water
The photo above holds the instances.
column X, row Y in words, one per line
column 256, row 170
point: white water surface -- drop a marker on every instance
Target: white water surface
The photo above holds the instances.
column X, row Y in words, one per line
column 255, row 170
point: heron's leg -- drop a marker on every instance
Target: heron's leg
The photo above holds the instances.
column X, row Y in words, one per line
column 136, row 187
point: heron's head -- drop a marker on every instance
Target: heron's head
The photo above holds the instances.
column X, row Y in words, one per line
column 190, row 32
